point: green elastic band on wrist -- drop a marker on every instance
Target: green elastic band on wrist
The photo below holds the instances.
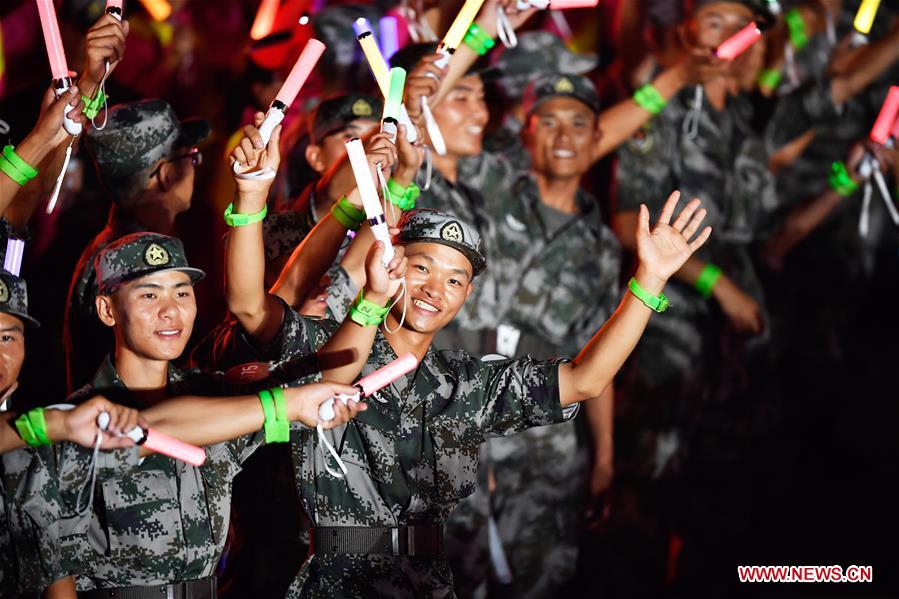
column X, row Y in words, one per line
column 796, row 27
column 649, row 98
column 707, row 280
column 770, row 78
column 28, row 171
column 366, row 313
column 32, row 427
column 840, row 180
column 240, row 220
column 23, row 425
column 402, row 197
column 658, row 303
column 278, row 431
column 348, row 215
column 478, row 40
column 92, row 107
column 11, row 171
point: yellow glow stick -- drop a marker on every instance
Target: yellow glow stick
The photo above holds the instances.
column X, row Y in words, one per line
column 159, row 9
column 375, row 61
column 460, row 26
column 864, row 18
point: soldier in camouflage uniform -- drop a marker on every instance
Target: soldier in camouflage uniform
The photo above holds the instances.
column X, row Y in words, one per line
column 414, row 453
column 558, row 267
column 158, row 524
column 145, row 159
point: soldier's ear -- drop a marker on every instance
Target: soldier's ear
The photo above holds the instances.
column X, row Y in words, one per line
column 470, row 289
column 314, row 158
column 105, row 312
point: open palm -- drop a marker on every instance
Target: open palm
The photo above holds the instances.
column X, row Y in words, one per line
column 664, row 249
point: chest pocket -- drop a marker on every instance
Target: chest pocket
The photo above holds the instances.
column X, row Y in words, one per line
column 455, row 450
column 370, row 444
column 143, row 514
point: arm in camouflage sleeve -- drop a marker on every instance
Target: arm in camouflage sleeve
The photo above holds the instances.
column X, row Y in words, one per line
column 662, row 251
column 867, row 66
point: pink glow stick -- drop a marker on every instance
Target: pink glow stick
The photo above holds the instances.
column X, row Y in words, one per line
column 385, row 375
column 886, row 123
column 895, row 133
column 738, row 42
column 55, row 52
column 300, row 71
column 168, row 445
column 563, row 4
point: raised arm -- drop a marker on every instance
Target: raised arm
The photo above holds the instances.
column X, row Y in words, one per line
column 662, row 251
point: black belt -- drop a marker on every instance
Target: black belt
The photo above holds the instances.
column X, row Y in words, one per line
column 204, row 588
column 404, row 540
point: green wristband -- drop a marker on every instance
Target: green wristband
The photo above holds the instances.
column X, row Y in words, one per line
column 12, row 172
column 92, row 107
column 366, row 313
column 707, row 280
column 402, row 197
column 348, row 215
column 23, row 425
column 276, row 430
column 649, row 99
column 32, row 427
column 28, row 171
column 240, row 220
column 796, row 27
column 658, row 303
column 840, row 181
column 478, row 40
column 770, row 78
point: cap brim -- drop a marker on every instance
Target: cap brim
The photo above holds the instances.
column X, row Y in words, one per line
column 577, row 64
column 478, row 263
column 28, row 320
column 195, row 275
column 193, row 132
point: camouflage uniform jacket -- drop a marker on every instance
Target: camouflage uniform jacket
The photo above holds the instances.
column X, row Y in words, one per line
column 155, row 520
column 86, row 340
column 29, row 510
column 726, row 166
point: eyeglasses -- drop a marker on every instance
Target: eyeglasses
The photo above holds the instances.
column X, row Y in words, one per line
column 195, row 155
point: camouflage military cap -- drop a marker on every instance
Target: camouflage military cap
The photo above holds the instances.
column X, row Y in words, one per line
column 538, row 53
column 138, row 255
column 137, row 136
column 14, row 298
column 433, row 226
column 338, row 112
column 558, row 84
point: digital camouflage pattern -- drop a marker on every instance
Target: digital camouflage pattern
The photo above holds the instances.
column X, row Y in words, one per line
column 30, row 558
column 434, row 226
column 153, row 521
column 538, row 53
column 138, row 255
column 14, row 297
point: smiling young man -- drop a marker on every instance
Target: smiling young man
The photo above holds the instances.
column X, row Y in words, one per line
column 413, row 454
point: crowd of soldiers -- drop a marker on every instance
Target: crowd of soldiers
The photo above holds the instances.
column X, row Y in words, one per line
column 529, row 258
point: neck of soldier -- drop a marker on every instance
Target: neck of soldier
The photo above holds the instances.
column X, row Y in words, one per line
column 559, row 193
column 405, row 340
column 448, row 165
column 157, row 217
column 142, row 374
column 716, row 92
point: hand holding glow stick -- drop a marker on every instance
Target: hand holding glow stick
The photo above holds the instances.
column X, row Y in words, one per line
column 160, row 443
column 372, row 383
column 393, row 103
column 298, row 75
column 379, row 69
column 56, row 54
column 739, row 42
column 370, row 203
column 887, row 122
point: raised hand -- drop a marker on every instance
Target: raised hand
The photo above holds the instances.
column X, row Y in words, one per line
column 104, row 42
column 382, row 281
column 303, row 404
column 252, row 155
column 81, row 423
column 663, row 250
column 48, row 129
column 410, row 157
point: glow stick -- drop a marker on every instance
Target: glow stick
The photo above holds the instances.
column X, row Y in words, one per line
column 168, row 445
column 372, row 383
column 895, row 132
column 366, row 185
column 379, row 69
column 458, row 29
column 159, row 10
column 15, row 249
column 265, row 19
column 864, row 18
column 390, row 37
column 563, row 4
column 56, row 54
column 361, row 25
column 393, row 102
column 886, row 121
column 115, row 8
column 298, row 75
column 738, row 42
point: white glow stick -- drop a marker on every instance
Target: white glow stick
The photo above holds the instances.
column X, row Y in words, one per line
column 370, row 203
column 15, row 250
